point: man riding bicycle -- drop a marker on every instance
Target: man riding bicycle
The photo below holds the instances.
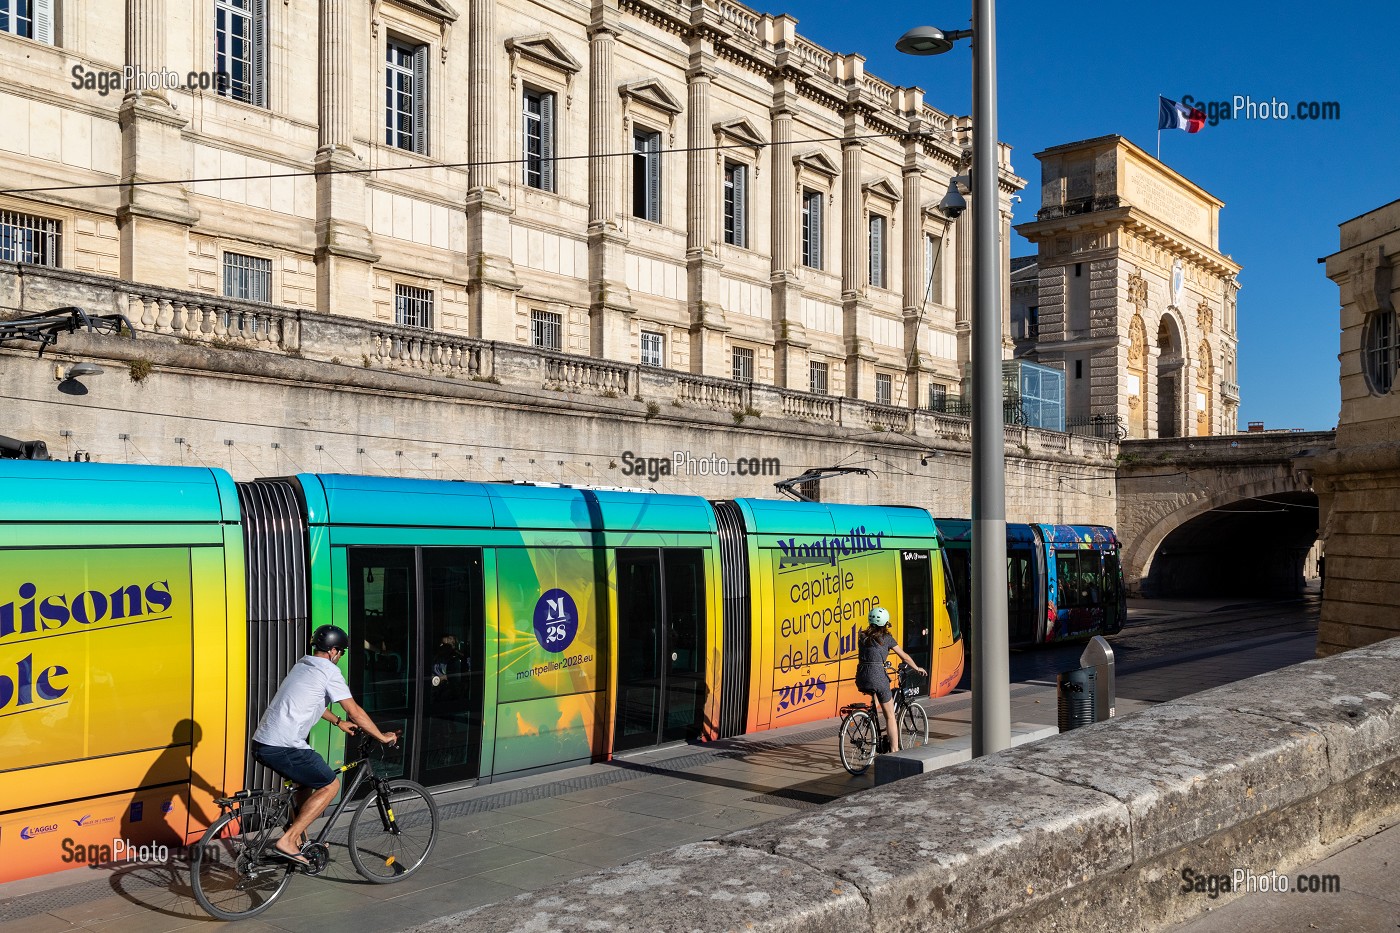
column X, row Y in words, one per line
column 305, row 696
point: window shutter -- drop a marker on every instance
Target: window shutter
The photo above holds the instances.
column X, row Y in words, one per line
column 653, row 146
column 420, row 100
column 815, row 218
column 877, row 263
column 547, row 141
column 259, row 95
column 741, row 177
column 43, row 21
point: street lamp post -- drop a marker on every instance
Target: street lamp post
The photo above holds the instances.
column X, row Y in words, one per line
column 991, row 676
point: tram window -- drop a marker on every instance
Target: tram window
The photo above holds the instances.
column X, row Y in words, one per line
column 951, row 596
column 382, row 616
column 1081, row 579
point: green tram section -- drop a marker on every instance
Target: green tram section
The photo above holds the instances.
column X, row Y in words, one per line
column 511, row 628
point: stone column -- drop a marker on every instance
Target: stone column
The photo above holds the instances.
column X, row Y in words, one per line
column 344, row 249
column 790, row 343
column 154, row 220
column 855, row 246
column 707, row 320
column 492, row 283
column 1008, row 343
column 610, row 302
column 962, row 294
column 915, row 276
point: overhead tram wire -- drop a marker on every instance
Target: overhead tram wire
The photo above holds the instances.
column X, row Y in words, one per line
column 26, row 193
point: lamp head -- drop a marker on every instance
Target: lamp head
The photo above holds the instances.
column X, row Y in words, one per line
column 84, row 369
column 953, row 203
column 924, row 40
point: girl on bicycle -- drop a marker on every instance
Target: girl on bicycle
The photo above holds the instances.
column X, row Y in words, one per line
column 876, row 643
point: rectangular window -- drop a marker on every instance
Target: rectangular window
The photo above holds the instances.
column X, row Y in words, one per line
column 811, row 228
column 884, row 389
column 413, row 307
column 818, row 373
column 736, row 178
column 938, row 397
column 877, row 250
column 743, row 364
column 1033, row 322
column 26, row 238
column 653, row 349
column 538, row 142
column 406, row 96
column 31, row 19
column 547, row 330
column 240, row 49
column 646, row 175
column 247, row 277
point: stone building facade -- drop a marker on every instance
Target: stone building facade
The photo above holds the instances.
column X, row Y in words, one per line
column 688, row 186
column 1129, row 293
column 1358, row 485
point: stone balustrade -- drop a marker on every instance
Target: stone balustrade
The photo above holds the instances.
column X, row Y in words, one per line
column 229, row 324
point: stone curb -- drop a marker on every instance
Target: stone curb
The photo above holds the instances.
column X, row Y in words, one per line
column 1089, row 830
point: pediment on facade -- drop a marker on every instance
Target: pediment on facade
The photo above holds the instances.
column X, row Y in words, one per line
column 653, row 94
column 881, row 188
column 817, row 161
column 545, row 50
column 741, row 131
column 436, row 9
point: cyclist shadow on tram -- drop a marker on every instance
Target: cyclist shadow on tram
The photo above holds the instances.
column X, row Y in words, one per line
column 152, row 871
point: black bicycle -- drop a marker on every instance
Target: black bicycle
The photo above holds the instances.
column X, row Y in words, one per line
column 235, row 873
column 862, row 735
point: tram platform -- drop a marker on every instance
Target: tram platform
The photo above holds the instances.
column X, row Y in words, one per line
column 503, row 838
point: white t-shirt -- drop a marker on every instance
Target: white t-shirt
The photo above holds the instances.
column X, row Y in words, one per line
column 311, row 686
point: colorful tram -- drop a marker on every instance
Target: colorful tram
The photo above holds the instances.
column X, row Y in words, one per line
column 1063, row 582
column 148, row 614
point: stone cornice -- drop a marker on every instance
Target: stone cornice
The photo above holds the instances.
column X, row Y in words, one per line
column 1138, row 223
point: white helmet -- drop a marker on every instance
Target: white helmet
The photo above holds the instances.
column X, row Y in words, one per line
column 879, row 616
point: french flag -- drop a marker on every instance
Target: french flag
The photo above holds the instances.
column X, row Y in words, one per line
column 1176, row 116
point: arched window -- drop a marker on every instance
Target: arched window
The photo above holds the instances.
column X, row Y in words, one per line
column 1379, row 351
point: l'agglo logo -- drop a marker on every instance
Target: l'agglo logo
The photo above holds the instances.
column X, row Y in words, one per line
column 35, row 684
column 32, row 832
column 556, row 620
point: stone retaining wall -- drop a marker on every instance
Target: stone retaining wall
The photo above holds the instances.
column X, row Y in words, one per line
column 1090, row 830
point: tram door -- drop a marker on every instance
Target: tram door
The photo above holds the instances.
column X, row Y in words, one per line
column 917, row 584
column 661, row 689
column 417, row 630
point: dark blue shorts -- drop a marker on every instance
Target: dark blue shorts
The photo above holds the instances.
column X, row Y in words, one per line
column 301, row 765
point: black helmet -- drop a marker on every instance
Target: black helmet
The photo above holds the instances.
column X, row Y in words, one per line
column 328, row 637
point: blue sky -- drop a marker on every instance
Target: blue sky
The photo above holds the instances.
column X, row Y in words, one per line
column 1070, row 71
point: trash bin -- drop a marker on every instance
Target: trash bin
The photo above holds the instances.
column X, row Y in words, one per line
column 1076, row 690
column 1086, row 695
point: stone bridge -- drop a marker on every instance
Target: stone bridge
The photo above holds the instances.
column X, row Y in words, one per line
column 1232, row 514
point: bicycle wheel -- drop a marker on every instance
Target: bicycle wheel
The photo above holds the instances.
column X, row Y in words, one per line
column 857, row 742
column 391, row 835
column 229, row 880
column 913, row 726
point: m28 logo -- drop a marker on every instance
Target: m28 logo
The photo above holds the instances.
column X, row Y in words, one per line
column 556, row 620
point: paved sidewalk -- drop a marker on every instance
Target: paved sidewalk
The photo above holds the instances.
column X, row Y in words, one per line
column 520, row 835
column 1366, row 898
